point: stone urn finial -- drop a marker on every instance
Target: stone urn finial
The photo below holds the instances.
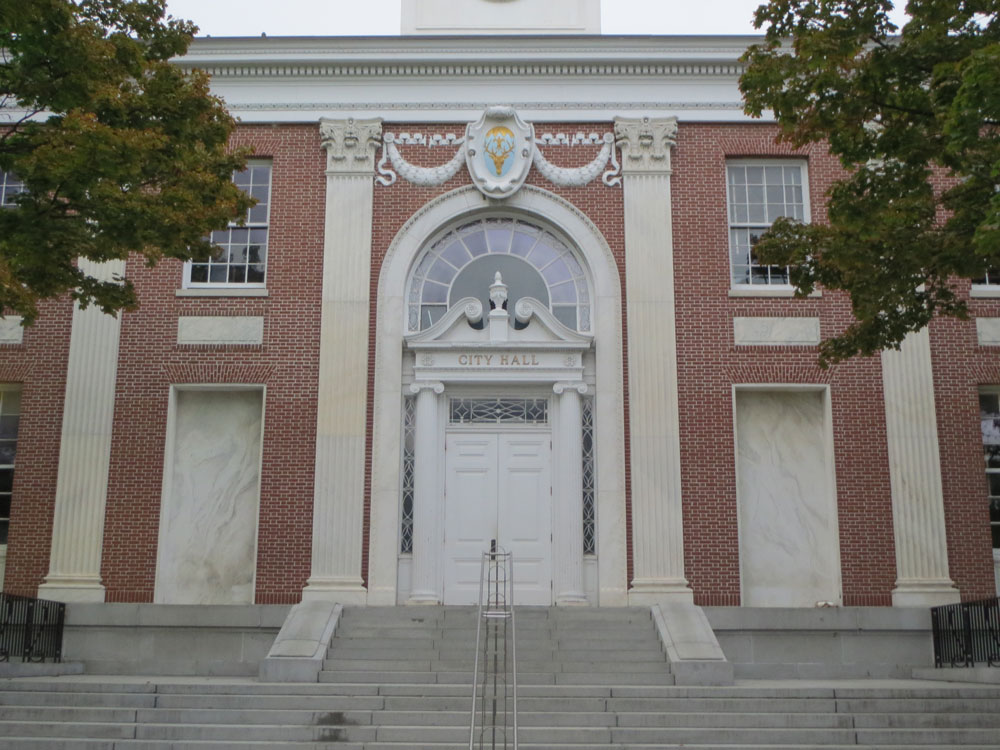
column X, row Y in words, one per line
column 498, row 293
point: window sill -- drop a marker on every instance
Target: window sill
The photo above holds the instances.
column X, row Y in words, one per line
column 768, row 291
column 985, row 291
column 228, row 291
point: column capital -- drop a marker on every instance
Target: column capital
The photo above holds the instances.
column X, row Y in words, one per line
column 646, row 143
column 560, row 388
column 351, row 145
column 424, row 385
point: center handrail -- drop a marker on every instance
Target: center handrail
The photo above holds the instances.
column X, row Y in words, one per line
column 494, row 692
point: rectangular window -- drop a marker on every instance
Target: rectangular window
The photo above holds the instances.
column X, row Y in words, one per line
column 989, row 414
column 989, row 279
column 10, row 416
column 241, row 258
column 10, row 186
column 759, row 192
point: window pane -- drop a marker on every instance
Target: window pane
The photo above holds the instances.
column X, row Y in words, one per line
column 217, row 273
column 255, row 274
column 10, row 402
column 435, row 292
column 442, row 272
column 993, row 480
column 522, row 243
column 542, row 255
column 8, row 426
column 8, row 449
column 456, row 254
column 6, row 480
column 499, row 240
column 556, row 272
column 476, row 243
column 565, row 292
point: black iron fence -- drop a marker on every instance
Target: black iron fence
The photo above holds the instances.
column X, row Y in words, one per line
column 967, row 634
column 30, row 629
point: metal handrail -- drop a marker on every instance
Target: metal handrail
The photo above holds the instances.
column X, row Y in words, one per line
column 490, row 695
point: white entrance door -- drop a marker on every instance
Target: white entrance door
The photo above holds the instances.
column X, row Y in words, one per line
column 498, row 487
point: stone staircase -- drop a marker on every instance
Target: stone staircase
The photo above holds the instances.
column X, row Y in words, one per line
column 400, row 678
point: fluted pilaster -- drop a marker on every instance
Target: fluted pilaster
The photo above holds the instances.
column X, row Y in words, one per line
column 426, row 503
column 338, row 501
column 922, row 577
column 85, row 451
column 657, row 523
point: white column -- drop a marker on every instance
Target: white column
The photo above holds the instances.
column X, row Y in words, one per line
column 426, row 495
column 567, row 537
column 84, row 451
column 922, row 577
column 657, row 524
column 338, row 499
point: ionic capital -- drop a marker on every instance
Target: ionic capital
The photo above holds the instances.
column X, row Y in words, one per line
column 423, row 385
column 646, row 143
column 351, row 145
column 560, row 388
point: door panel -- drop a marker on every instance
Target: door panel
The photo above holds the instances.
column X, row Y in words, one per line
column 525, row 514
column 498, row 486
column 470, row 512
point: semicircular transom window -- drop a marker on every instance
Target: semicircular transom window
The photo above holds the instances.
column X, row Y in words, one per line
column 532, row 261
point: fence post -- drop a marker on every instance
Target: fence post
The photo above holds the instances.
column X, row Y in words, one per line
column 967, row 640
column 29, row 623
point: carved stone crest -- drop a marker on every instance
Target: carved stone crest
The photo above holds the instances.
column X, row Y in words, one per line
column 498, row 151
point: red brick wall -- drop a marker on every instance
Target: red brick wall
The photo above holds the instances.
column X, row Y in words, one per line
column 709, row 364
column 961, row 366
column 287, row 363
column 38, row 364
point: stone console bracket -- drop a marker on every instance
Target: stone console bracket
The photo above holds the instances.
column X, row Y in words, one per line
column 300, row 646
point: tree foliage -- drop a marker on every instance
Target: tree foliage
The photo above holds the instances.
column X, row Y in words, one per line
column 119, row 150
column 914, row 116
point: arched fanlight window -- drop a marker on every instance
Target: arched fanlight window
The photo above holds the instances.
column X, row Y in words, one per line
column 532, row 260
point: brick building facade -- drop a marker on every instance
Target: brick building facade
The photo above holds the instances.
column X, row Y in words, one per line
column 287, row 422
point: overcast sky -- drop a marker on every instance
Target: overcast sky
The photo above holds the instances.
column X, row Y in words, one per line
column 381, row 17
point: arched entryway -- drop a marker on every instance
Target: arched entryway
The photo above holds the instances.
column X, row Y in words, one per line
column 558, row 345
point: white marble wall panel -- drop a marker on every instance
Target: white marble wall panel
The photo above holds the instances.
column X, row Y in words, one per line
column 776, row 331
column 218, row 329
column 11, row 331
column 789, row 551
column 208, row 519
column 988, row 331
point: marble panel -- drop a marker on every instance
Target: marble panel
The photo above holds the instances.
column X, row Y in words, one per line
column 11, row 331
column 789, row 552
column 208, row 519
column 220, row 329
column 776, row 331
column 988, row 331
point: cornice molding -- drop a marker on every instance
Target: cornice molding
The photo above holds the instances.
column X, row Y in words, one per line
column 446, row 106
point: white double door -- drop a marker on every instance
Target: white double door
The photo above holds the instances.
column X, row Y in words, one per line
column 498, row 486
